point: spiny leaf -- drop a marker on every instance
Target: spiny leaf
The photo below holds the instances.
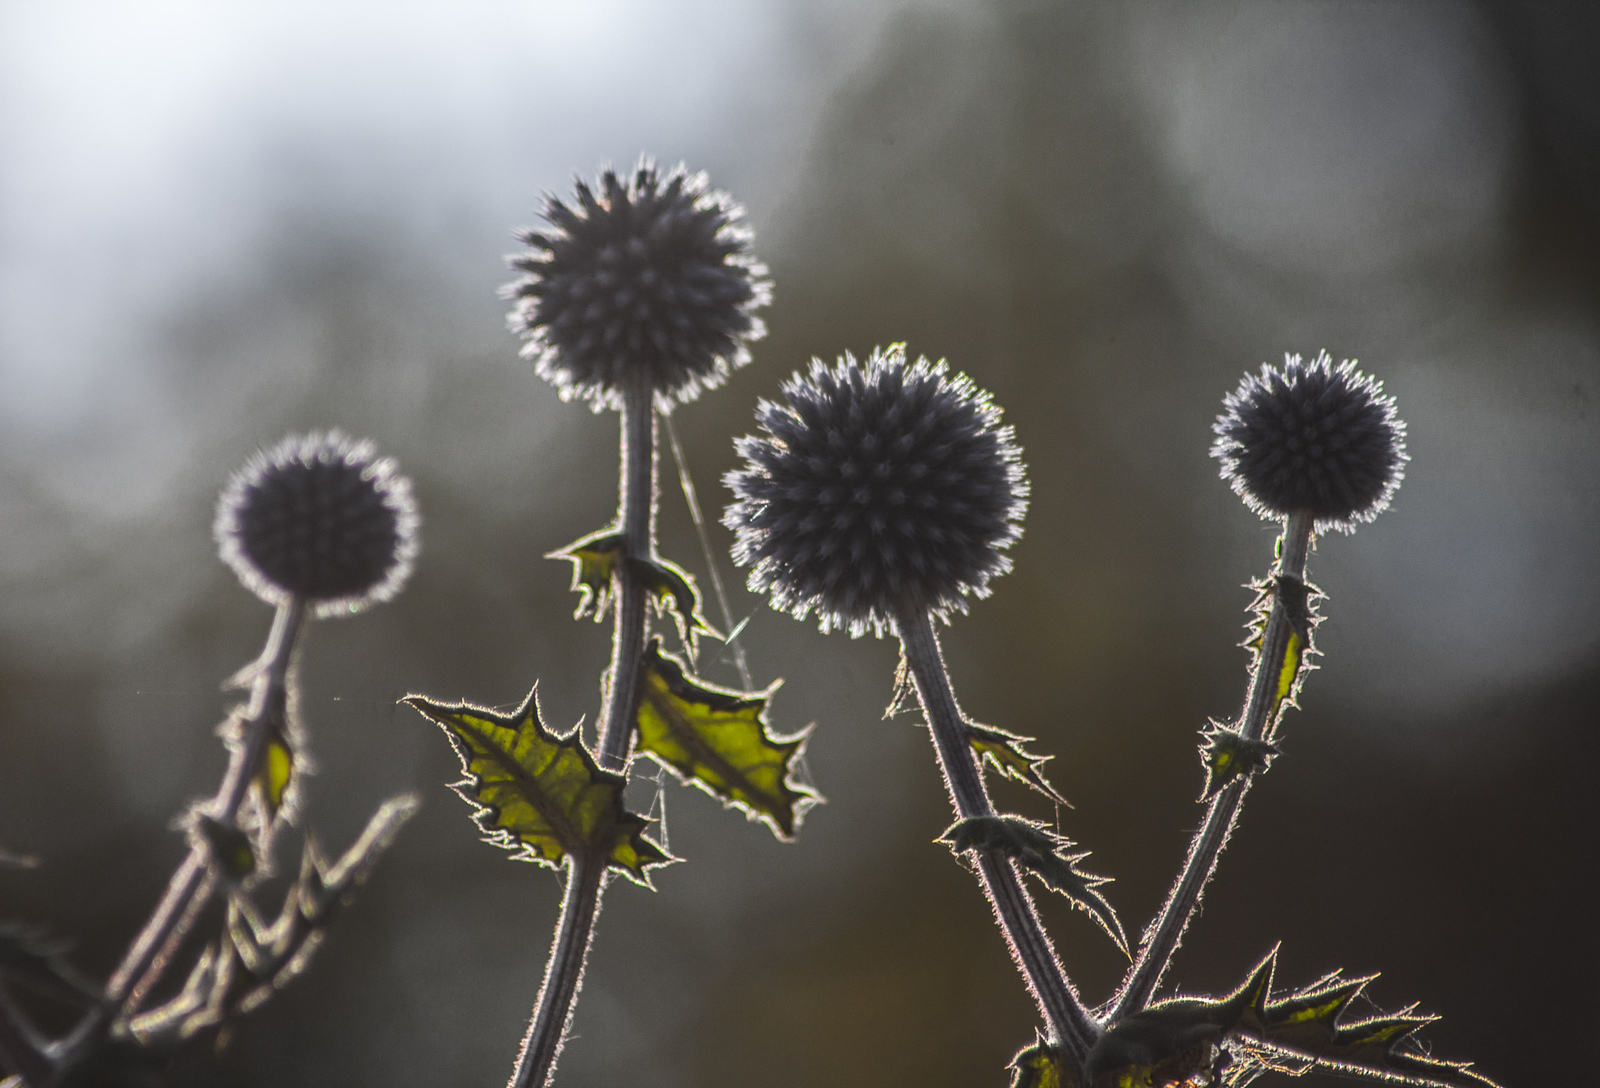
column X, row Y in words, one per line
column 1041, row 1066
column 673, row 593
column 1292, row 1033
column 1004, row 752
column 1307, row 1024
column 276, row 772
column 539, row 794
column 594, row 559
column 1179, row 1038
column 1296, row 597
column 1226, row 756
column 719, row 740
column 229, row 848
column 1046, row 855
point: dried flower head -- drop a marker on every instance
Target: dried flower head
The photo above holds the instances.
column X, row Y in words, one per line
column 1313, row 438
column 651, row 274
column 320, row 517
column 877, row 489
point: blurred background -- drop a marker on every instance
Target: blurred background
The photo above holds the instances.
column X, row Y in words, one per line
column 220, row 223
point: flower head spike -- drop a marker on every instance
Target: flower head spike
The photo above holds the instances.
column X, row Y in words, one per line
column 1313, row 438
column 320, row 517
column 877, row 489
column 652, row 273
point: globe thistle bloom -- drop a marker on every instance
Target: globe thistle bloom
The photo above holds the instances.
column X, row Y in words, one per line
column 1312, row 438
column 322, row 518
column 877, row 490
column 651, row 274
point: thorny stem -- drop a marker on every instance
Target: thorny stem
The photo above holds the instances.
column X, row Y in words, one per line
column 152, row 950
column 1164, row 935
column 586, row 871
column 1070, row 1025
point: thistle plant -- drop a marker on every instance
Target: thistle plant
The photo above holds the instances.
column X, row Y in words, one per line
column 318, row 526
column 882, row 496
column 638, row 294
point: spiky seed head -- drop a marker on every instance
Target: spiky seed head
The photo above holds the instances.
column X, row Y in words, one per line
column 652, row 273
column 875, row 490
column 1313, row 438
column 321, row 517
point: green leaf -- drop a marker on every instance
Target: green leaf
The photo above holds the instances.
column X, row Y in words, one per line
column 230, row 849
column 276, row 772
column 1175, row 1040
column 1046, row 855
column 594, row 559
column 1004, row 752
column 1227, row 755
column 673, row 593
column 1309, row 1024
column 1304, row 1029
column 718, row 739
column 1041, row 1066
column 539, row 794
column 1296, row 597
column 598, row 558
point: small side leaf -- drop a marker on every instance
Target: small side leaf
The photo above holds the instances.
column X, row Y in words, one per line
column 594, row 559
column 1005, row 753
column 1227, row 755
column 1041, row 1066
column 539, row 794
column 673, row 593
column 232, row 854
column 1046, row 855
column 1308, row 1024
column 719, row 739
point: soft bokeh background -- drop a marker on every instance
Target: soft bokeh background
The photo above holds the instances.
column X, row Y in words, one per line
column 223, row 222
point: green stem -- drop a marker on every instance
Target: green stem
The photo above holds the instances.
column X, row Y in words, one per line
column 1166, row 933
column 1070, row 1026
column 586, row 872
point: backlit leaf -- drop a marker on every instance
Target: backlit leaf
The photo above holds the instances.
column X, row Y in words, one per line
column 1046, row 855
column 1184, row 1037
column 718, row 739
column 594, row 559
column 1226, row 756
column 1004, row 752
column 673, row 593
column 599, row 558
column 1041, row 1066
column 539, row 794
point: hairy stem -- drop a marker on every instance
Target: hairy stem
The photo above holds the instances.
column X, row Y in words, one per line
column 1070, row 1025
column 1166, row 933
column 586, row 872
column 152, row 950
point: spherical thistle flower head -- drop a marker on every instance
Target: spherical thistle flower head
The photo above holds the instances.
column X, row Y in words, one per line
column 320, row 517
column 1313, row 438
column 877, row 490
column 650, row 274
